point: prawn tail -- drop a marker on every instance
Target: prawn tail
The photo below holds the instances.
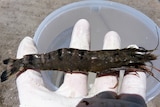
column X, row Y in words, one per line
column 10, row 69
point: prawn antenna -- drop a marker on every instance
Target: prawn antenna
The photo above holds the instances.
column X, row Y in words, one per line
column 153, row 67
column 156, row 78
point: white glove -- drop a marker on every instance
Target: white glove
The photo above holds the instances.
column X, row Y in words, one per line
column 33, row 93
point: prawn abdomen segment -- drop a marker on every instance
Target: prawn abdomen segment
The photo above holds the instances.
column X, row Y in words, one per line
column 66, row 59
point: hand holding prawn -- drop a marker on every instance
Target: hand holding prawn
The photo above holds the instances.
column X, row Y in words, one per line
column 98, row 62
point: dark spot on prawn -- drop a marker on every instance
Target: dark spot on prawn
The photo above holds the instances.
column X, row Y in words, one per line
column 81, row 54
column 85, row 102
column 6, row 61
column 49, row 56
column 59, row 54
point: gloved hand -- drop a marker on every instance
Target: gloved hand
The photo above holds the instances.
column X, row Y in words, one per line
column 74, row 90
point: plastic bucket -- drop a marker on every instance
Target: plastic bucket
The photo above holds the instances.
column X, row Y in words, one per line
column 132, row 26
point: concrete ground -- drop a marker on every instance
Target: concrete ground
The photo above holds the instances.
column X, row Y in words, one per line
column 20, row 18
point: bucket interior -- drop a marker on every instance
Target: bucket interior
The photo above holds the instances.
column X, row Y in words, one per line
column 132, row 26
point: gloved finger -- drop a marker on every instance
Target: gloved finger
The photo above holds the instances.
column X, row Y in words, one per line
column 75, row 84
column 29, row 80
column 134, row 82
column 26, row 46
column 109, row 82
column 32, row 93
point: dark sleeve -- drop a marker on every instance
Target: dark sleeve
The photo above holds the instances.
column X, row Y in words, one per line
column 111, row 99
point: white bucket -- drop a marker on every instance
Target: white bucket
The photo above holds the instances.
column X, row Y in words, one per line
column 132, row 26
